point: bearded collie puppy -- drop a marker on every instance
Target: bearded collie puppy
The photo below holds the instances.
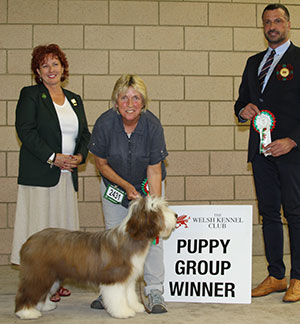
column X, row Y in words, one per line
column 112, row 260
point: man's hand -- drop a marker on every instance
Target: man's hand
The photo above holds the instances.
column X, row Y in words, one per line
column 249, row 111
column 280, row 147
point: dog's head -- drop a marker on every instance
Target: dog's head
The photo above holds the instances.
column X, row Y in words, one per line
column 150, row 217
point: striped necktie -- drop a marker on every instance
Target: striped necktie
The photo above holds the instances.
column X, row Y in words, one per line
column 265, row 69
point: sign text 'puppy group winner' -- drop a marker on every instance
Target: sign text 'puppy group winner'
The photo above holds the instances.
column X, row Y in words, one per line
column 208, row 256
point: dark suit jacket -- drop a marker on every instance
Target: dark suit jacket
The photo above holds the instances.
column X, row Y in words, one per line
column 39, row 131
column 281, row 97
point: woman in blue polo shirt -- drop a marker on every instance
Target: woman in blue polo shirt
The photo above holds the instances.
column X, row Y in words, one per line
column 129, row 150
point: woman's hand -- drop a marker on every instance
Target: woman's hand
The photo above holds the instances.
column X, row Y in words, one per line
column 67, row 162
column 105, row 170
column 131, row 191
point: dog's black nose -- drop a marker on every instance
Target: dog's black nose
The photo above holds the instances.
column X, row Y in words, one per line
column 176, row 216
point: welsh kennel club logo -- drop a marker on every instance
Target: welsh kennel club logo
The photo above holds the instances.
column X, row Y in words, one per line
column 182, row 221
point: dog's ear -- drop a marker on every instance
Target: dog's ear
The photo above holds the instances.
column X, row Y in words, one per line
column 146, row 222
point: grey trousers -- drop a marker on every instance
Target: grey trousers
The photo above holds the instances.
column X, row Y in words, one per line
column 154, row 266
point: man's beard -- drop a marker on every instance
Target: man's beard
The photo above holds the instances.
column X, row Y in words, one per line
column 280, row 39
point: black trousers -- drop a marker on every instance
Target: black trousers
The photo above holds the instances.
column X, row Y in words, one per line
column 277, row 184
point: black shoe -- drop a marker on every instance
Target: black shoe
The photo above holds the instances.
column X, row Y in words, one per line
column 97, row 303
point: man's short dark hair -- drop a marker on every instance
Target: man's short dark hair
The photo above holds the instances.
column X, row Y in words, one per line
column 274, row 6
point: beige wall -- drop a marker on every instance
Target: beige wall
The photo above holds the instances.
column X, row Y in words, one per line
column 191, row 55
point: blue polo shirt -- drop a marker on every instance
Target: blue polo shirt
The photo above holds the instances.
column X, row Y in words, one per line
column 129, row 157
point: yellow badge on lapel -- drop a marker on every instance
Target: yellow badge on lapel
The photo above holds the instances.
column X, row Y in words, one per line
column 74, row 102
column 284, row 72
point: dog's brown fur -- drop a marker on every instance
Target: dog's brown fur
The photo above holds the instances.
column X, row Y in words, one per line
column 97, row 258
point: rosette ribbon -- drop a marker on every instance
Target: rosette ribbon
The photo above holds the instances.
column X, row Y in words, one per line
column 263, row 124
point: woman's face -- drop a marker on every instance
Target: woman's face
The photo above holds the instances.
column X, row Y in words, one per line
column 51, row 71
column 130, row 104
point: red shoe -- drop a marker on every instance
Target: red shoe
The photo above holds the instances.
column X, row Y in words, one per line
column 55, row 298
column 63, row 292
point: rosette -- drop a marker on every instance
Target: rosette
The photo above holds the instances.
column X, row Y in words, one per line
column 145, row 187
column 263, row 124
column 284, row 72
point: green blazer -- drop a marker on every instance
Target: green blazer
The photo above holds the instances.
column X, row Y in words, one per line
column 39, row 131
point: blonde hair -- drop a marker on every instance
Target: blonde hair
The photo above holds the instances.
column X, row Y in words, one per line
column 124, row 83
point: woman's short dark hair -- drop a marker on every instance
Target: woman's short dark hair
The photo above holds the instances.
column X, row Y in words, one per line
column 41, row 52
column 274, row 6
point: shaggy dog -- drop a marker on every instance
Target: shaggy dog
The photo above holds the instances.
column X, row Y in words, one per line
column 113, row 260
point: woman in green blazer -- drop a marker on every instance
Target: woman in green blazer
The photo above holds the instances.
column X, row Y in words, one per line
column 52, row 128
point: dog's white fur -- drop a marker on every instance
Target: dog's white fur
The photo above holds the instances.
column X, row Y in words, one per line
column 113, row 260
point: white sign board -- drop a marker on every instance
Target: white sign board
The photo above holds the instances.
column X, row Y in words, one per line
column 208, row 256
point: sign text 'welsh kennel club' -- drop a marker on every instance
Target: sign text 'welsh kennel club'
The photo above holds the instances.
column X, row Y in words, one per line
column 208, row 256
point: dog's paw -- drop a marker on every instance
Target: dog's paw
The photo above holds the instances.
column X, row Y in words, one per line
column 47, row 306
column 138, row 307
column 28, row 313
column 122, row 313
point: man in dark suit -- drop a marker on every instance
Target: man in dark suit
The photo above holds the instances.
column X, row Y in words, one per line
column 269, row 96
